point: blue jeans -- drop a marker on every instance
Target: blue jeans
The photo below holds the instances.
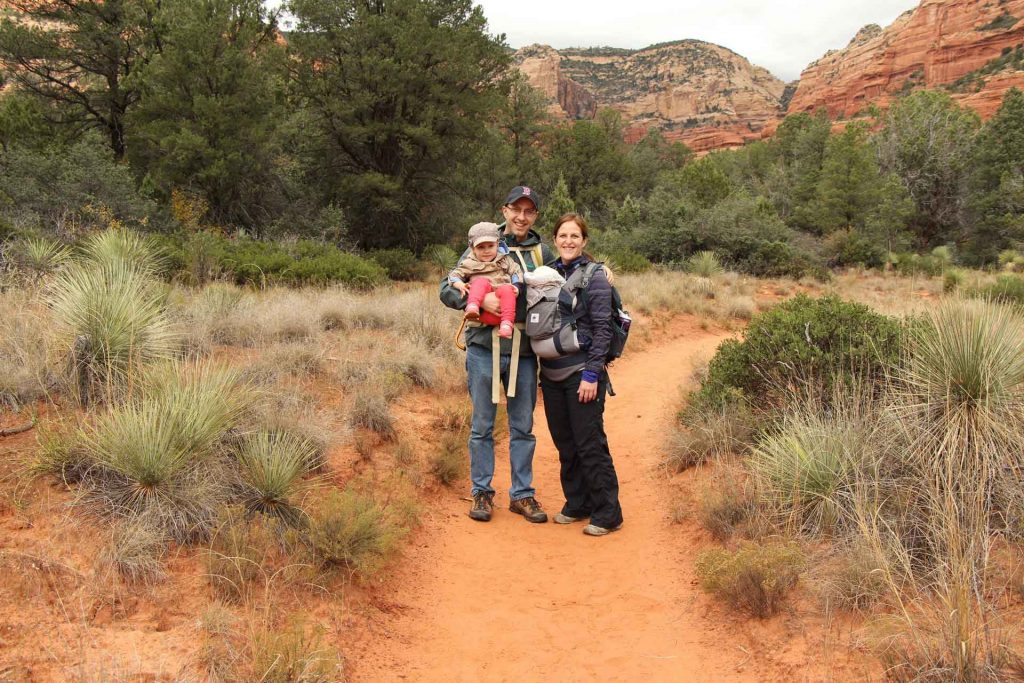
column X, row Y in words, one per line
column 520, row 421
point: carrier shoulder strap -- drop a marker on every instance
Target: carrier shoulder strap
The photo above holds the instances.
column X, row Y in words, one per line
column 536, row 250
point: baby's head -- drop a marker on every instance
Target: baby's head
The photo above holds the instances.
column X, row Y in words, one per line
column 483, row 240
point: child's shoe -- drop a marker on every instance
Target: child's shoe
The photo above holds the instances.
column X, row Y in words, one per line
column 472, row 312
column 505, row 330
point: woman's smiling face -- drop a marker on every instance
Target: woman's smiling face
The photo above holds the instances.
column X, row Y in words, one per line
column 569, row 241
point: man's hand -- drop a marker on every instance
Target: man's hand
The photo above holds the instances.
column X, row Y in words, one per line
column 491, row 303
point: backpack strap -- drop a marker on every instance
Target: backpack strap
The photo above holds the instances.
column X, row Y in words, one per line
column 536, row 251
column 588, row 274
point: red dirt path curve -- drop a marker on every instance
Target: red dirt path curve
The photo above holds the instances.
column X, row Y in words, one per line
column 509, row 600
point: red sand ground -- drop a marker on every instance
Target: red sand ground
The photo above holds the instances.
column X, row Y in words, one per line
column 502, row 601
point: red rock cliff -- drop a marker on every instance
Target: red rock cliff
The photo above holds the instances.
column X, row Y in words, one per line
column 702, row 94
column 940, row 43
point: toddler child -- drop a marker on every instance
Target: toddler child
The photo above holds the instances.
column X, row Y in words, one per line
column 488, row 268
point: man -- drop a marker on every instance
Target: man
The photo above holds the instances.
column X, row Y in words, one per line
column 514, row 363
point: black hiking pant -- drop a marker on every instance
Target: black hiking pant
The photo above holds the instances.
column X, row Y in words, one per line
column 589, row 482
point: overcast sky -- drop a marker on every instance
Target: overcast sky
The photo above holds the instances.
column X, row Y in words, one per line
column 783, row 36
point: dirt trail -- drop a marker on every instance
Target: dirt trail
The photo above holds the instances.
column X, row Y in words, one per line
column 509, row 600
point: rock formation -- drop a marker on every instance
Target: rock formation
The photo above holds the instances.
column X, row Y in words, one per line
column 969, row 47
column 702, row 94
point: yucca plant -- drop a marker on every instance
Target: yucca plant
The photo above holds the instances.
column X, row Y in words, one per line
column 273, row 465
column 140, row 468
column 123, row 246
column 705, row 264
column 806, row 466
column 205, row 400
column 968, row 359
column 155, row 457
column 113, row 317
column 441, row 257
column 42, row 256
column 960, row 401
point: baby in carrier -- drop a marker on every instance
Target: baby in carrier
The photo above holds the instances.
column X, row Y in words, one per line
column 488, row 268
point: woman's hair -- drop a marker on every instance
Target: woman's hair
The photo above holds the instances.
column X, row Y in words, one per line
column 575, row 218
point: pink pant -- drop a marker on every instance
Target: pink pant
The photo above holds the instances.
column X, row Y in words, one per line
column 479, row 287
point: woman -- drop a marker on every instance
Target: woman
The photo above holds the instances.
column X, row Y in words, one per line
column 574, row 388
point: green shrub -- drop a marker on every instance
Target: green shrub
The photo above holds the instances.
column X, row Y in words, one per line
column 352, row 531
column 754, row 578
column 627, row 261
column 321, row 264
column 1006, row 289
column 304, row 263
column 916, row 264
column 800, row 345
column 400, row 264
column 853, row 248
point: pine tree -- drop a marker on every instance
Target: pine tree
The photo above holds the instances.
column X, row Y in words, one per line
column 997, row 200
column 850, row 185
column 78, row 56
column 211, row 101
column 398, row 93
column 557, row 204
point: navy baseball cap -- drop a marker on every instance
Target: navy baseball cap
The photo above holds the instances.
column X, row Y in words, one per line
column 521, row 191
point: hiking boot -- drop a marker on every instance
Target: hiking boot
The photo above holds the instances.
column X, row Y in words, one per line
column 529, row 508
column 505, row 330
column 483, row 504
column 565, row 519
column 594, row 530
column 472, row 312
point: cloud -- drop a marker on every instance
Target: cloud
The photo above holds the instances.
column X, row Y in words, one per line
column 783, row 36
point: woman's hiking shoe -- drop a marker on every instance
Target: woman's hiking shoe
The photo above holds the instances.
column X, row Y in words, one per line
column 505, row 330
column 594, row 530
column 483, row 504
column 565, row 519
column 529, row 508
column 472, row 312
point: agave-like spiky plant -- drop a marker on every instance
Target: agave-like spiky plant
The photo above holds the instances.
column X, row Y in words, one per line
column 123, row 246
column 205, row 400
column 113, row 316
column 968, row 357
column 42, row 256
column 806, row 467
column 273, row 467
column 155, row 457
column 705, row 264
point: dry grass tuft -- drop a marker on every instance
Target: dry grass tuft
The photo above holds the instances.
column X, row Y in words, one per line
column 754, row 578
column 450, row 463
